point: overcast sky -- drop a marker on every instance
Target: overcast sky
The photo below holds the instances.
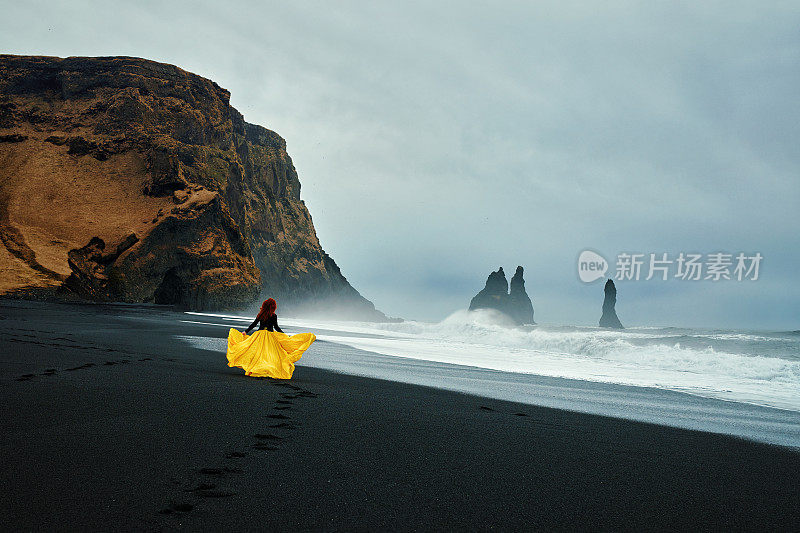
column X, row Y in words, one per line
column 436, row 141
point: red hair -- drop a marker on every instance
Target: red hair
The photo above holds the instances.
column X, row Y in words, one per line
column 267, row 309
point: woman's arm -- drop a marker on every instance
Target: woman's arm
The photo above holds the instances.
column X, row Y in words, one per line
column 251, row 326
column 277, row 328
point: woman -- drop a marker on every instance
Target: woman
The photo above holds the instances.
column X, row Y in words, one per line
column 269, row 352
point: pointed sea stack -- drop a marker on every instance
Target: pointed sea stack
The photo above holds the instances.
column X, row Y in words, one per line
column 495, row 295
column 519, row 304
column 609, row 318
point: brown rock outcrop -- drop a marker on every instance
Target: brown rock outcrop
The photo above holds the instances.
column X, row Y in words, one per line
column 123, row 179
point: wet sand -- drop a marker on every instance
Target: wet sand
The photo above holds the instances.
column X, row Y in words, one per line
column 111, row 422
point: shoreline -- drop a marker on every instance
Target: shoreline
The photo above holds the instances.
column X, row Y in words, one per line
column 661, row 406
column 131, row 424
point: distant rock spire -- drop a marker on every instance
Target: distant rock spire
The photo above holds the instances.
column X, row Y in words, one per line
column 520, row 306
column 609, row 318
column 495, row 295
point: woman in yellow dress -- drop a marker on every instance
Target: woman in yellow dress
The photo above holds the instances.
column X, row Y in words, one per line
column 269, row 352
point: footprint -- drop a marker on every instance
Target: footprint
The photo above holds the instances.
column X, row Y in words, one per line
column 49, row 372
column 85, row 365
column 486, row 408
column 520, row 414
column 26, row 377
column 288, row 396
column 203, row 486
column 110, row 363
column 279, row 417
column 146, row 359
column 233, row 455
column 262, row 436
column 287, row 402
column 283, row 425
column 212, row 471
column 215, row 493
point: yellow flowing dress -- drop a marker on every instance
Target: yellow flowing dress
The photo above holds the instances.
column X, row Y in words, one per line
column 267, row 353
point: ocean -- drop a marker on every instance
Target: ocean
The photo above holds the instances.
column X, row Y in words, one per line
column 756, row 373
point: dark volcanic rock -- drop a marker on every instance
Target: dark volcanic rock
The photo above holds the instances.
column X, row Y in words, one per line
column 495, row 295
column 520, row 306
column 90, row 267
column 113, row 146
column 609, row 318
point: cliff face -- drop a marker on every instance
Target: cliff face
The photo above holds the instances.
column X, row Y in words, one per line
column 609, row 318
column 129, row 180
column 495, row 295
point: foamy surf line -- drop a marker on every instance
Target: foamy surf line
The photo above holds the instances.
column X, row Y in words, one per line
column 642, row 404
column 643, row 358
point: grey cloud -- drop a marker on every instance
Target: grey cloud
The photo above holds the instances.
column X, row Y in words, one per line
column 437, row 141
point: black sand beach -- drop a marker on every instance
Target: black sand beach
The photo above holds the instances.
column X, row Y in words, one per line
column 111, row 423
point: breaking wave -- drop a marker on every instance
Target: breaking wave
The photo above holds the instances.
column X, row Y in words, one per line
column 743, row 366
column 739, row 366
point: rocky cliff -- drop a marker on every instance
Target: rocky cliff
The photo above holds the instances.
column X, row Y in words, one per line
column 495, row 295
column 609, row 318
column 123, row 179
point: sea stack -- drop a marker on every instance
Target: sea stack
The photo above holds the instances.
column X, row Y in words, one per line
column 495, row 295
column 609, row 318
column 520, row 306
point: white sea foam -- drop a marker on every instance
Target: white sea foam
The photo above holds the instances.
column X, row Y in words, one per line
column 735, row 366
